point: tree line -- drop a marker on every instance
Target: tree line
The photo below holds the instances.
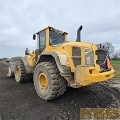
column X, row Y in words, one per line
column 111, row 49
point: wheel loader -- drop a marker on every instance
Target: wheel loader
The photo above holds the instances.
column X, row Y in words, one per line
column 58, row 63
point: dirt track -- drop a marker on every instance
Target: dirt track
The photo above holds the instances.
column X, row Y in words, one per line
column 20, row 101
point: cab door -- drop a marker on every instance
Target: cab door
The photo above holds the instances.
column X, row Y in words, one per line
column 41, row 41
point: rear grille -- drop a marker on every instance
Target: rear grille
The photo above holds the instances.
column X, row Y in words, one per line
column 76, row 54
column 102, row 59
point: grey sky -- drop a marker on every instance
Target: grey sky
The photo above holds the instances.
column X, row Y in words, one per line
column 19, row 19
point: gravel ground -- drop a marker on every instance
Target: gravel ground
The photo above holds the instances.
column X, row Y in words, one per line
column 20, row 101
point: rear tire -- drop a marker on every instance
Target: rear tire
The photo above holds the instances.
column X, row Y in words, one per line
column 20, row 74
column 48, row 82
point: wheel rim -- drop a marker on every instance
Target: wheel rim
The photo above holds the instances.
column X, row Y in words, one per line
column 43, row 82
column 18, row 71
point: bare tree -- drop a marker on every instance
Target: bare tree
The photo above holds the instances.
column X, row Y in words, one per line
column 108, row 46
column 115, row 55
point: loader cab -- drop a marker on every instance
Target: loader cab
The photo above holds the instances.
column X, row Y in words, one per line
column 49, row 37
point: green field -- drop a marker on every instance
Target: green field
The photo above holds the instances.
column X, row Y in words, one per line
column 116, row 66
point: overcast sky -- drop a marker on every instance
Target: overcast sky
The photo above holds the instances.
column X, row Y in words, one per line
column 19, row 19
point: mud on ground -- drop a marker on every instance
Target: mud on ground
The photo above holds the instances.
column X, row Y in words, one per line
column 20, row 101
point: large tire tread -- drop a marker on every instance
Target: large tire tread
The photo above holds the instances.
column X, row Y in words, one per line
column 23, row 76
column 59, row 84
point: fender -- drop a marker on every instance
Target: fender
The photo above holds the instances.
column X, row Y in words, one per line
column 63, row 69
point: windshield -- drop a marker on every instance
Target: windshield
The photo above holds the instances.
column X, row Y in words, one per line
column 56, row 38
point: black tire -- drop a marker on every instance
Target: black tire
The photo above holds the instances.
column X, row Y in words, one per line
column 22, row 76
column 10, row 71
column 56, row 84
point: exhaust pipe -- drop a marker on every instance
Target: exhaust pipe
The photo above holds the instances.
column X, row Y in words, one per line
column 79, row 34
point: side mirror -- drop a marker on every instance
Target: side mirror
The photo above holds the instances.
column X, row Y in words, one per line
column 34, row 37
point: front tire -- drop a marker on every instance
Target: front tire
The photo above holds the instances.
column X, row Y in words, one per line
column 48, row 82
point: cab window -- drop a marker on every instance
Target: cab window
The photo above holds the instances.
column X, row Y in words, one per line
column 56, row 38
column 42, row 40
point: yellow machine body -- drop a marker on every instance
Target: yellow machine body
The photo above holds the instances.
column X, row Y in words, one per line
column 84, row 60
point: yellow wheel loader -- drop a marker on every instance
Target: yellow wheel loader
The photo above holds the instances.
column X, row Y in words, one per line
column 58, row 63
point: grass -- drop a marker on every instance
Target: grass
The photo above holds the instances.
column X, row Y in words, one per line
column 116, row 66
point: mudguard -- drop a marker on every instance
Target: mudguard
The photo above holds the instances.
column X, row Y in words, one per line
column 63, row 69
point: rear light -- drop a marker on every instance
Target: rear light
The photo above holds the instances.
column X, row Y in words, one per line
column 108, row 63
